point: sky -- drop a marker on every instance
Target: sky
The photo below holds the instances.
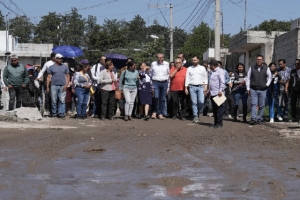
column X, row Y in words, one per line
column 186, row 13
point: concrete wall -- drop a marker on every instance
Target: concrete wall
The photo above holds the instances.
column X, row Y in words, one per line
column 3, row 41
column 287, row 46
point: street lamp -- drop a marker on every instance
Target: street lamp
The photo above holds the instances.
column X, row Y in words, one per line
column 155, row 37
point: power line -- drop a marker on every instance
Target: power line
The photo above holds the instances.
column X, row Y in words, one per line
column 8, row 8
column 190, row 15
column 202, row 14
column 194, row 16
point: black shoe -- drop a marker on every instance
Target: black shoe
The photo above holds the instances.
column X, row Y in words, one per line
column 252, row 122
column 62, row 117
column 111, row 118
column 174, row 117
column 102, row 118
column 125, row 118
column 182, row 118
column 259, row 122
column 78, row 118
column 130, row 118
column 146, row 118
column 216, row 126
column 53, row 116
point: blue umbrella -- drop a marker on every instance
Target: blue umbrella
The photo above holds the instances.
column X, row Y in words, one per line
column 116, row 56
column 68, row 51
column 119, row 60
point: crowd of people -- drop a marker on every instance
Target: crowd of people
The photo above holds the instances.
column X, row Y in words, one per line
column 178, row 90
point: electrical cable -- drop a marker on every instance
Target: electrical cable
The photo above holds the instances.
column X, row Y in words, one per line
column 190, row 15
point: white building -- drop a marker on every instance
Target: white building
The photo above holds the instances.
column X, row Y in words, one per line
column 28, row 53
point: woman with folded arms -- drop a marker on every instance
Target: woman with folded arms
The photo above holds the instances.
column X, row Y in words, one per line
column 107, row 80
column 82, row 83
column 128, row 84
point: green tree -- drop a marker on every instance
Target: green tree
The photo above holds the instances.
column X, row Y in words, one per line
column 46, row 31
column 2, row 22
column 137, row 30
column 163, row 33
column 21, row 27
column 72, row 29
column 197, row 42
column 179, row 38
column 273, row 25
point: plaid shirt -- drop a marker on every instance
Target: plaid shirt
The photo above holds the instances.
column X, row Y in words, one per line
column 284, row 74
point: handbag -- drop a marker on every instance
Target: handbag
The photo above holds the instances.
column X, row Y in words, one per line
column 118, row 94
column 92, row 91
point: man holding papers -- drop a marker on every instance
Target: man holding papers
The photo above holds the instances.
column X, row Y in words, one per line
column 216, row 87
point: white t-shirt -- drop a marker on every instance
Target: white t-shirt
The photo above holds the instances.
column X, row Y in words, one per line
column 196, row 76
column 45, row 68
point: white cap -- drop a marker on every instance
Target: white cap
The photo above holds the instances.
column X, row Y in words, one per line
column 58, row 55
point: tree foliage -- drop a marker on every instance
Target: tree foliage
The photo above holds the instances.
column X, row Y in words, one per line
column 21, row 27
column 2, row 22
column 47, row 30
column 273, row 25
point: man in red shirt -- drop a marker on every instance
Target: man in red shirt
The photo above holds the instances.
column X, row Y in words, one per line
column 177, row 77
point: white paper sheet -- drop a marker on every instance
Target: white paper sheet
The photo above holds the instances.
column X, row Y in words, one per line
column 219, row 100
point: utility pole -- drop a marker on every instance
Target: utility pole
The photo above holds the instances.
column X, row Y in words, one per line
column 217, row 30
column 171, row 26
column 171, row 33
column 7, row 38
column 222, row 29
column 245, row 18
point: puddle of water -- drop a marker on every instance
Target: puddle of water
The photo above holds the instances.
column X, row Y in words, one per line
column 290, row 133
column 111, row 174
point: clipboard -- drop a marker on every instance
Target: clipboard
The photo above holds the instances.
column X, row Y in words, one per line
column 219, row 100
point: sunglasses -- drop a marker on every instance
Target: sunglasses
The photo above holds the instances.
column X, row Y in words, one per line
column 297, row 63
column 60, row 58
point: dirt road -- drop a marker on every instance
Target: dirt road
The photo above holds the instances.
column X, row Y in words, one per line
column 159, row 159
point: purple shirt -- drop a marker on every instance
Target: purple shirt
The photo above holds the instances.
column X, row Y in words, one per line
column 217, row 81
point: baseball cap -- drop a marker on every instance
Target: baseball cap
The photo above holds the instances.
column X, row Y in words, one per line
column 58, row 55
column 84, row 62
column 30, row 68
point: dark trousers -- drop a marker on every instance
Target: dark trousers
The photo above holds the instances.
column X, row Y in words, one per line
column 206, row 105
column 107, row 103
column 295, row 97
column 228, row 105
column 97, row 100
column 15, row 93
column 175, row 103
column 217, row 111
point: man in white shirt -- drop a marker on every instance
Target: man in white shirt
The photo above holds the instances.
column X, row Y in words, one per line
column 39, row 77
column 258, row 80
column 196, row 81
column 160, row 77
column 95, row 71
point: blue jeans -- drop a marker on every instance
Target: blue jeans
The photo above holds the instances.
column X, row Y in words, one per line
column 82, row 99
column 240, row 94
column 197, row 97
column 273, row 101
column 258, row 97
column 57, row 92
column 160, row 91
column 284, row 103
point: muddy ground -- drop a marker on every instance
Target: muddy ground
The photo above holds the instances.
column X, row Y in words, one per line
column 159, row 159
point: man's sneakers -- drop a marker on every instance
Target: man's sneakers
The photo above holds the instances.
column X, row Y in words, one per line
column 252, row 122
column 196, row 119
column 279, row 117
column 271, row 120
